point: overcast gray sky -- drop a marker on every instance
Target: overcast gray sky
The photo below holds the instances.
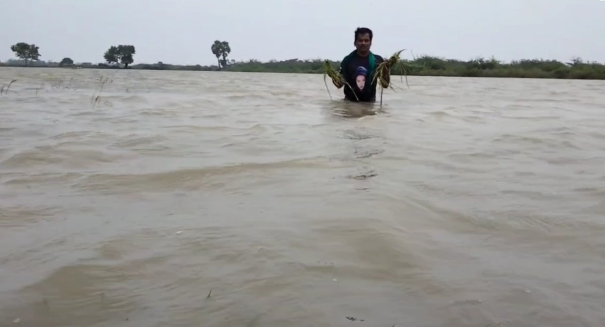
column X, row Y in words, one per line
column 181, row 31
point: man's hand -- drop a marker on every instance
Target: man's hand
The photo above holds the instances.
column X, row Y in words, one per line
column 386, row 74
column 337, row 83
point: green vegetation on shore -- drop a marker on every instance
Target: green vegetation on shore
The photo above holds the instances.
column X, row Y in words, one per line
column 122, row 57
column 434, row 66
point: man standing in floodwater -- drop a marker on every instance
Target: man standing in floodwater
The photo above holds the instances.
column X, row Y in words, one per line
column 358, row 69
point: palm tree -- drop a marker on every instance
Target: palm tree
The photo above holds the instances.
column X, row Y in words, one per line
column 221, row 49
column 217, row 50
column 226, row 51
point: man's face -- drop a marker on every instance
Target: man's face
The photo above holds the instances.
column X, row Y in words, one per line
column 363, row 42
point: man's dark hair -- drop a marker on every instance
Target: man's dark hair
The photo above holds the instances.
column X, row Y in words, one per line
column 363, row 30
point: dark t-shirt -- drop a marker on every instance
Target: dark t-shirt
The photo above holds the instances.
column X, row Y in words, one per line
column 355, row 70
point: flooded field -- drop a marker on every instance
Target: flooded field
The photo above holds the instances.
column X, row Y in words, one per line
column 141, row 198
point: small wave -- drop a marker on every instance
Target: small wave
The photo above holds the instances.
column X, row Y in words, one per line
column 31, row 158
column 88, row 113
column 41, row 179
column 440, row 114
column 255, row 96
column 227, row 130
column 358, row 135
column 354, row 112
column 553, row 130
column 71, row 135
column 518, row 138
column 135, row 141
column 6, row 129
column 47, row 156
column 15, row 216
column 130, row 99
column 448, row 166
column 597, row 192
column 190, row 179
column 534, row 140
column 472, row 156
column 533, row 118
column 597, row 135
column 159, row 112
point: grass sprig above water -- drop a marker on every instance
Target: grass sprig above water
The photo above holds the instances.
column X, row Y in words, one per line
column 6, row 87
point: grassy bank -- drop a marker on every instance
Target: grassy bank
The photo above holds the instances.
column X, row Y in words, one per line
column 421, row 66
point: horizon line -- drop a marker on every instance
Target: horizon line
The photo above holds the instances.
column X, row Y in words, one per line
column 315, row 59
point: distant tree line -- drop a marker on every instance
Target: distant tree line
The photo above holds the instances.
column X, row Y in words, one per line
column 435, row 66
column 123, row 56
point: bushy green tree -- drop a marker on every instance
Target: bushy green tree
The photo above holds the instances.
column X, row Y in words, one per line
column 66, row 62
column 120, row 54
column 26, row 51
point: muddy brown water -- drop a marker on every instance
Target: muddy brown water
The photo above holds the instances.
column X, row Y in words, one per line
column 233, row 199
